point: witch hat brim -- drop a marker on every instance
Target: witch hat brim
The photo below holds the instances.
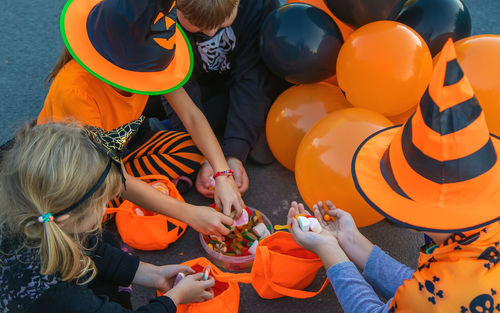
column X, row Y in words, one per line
column 427, row 177
column 73, row 24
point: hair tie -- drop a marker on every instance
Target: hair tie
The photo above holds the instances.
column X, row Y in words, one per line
column 46, row 218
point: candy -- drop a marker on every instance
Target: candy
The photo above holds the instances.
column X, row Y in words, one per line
column 249, row 236
column 259, row 229
column 314, row 225
column 242, row 235
column 243, row 220
column 303, row 223
column 161, row 187
column 265, row 234
column 178, row 278
column 253, row 247
column 206, row 272
column 327, row 218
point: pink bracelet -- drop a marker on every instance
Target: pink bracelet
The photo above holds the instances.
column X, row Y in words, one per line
column 226, row 173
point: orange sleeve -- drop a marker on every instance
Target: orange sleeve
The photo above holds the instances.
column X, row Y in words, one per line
column 70, row 102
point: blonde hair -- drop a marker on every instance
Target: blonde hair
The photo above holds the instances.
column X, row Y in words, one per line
column 49, row 168
column 207, row 14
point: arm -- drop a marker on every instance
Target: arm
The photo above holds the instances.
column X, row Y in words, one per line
column 354, row 293
column 226, row 191
column 204, row 219
column 67, row 297
column 384, row 273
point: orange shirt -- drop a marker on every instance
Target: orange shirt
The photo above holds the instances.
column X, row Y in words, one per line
column 77, row 93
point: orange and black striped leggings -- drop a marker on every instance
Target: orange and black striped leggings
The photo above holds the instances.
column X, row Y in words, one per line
column 169, row 153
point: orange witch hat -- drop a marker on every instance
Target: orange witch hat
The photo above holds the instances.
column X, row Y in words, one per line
column 134, row 45
column 438, row 172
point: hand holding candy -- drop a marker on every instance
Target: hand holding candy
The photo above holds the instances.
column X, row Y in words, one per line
column 338, row 222
column 324, row 244
column 306, row 222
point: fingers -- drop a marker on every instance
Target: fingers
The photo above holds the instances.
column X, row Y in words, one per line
column 301, row 209
column 224, row 220
column 319, row 216
column 238, row 178
column 292, row 212
column 183, row 268
column 238, row 207
column 207, row 295
column 209, row 283
column 244, row 182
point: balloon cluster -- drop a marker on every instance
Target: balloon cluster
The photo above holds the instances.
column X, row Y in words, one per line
column 380, row 55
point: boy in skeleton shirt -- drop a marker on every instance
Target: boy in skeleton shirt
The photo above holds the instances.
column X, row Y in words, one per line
column 230, row 83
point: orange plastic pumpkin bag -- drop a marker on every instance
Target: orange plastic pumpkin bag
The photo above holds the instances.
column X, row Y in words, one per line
column 283, row 268
column 145, row 230
column 226, row 290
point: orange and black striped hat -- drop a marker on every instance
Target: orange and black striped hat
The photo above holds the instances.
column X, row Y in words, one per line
column 438, row 172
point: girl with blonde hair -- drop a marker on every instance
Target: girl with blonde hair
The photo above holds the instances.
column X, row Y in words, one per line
column 55, row 183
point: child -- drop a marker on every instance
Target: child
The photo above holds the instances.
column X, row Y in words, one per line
column 230, row 83
column 120, row 52
column 54, row 186
column 438, row 174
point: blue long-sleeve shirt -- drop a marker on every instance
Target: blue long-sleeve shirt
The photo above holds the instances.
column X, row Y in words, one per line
column 356, row 292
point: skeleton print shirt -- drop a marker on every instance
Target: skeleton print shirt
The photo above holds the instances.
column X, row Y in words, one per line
column 229, row 64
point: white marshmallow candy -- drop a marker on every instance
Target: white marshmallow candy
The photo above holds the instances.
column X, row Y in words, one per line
column 314, row 225
column 304, row 223
column 260, row 229
column 253, row 247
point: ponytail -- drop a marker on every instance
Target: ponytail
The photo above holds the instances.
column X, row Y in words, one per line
column 59, row 253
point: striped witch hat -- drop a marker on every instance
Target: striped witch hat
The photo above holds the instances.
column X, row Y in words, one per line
column 439, row 171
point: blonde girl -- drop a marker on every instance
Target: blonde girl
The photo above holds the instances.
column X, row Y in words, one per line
column 54, row 187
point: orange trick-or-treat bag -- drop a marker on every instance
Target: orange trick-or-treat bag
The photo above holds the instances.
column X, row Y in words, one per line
column 145, row 230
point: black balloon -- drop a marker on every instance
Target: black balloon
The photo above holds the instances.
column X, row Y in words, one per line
column 300, row 43
column 357, row 13
column 437, row 20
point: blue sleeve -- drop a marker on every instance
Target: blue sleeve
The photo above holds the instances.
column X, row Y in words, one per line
column 384, row 273
column 354, row 293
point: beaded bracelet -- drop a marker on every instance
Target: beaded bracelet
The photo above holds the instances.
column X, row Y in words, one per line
column 226, row 173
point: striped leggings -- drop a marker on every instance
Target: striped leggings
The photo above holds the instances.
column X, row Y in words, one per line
column 169, row 153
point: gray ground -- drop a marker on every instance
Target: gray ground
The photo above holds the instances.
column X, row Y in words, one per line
column 30, row 46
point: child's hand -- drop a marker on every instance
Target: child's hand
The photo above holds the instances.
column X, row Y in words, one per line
column 324, row 244
column 167, row 274
column 192, row 289
column 203, row 183
column 240, row 174
column 208, row 221
column 342, row 226
column 356, row 246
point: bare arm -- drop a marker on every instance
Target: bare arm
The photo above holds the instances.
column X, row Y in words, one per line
column 226, row 191
column 204, row 219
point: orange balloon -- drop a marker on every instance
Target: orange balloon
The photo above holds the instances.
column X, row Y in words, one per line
column 403, row 117
column 323, row 166
column 294, row 112
column 384, row 66
column 479, row 57
column 332, row 80
column 320, row 4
